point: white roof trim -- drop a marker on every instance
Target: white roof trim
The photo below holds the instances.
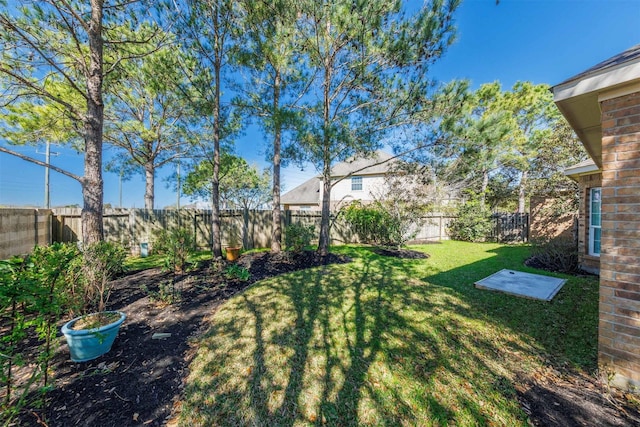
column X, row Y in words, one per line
column 604, row 79
column 581, row 170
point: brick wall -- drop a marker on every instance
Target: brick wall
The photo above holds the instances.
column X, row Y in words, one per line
column 619, row 329
column 549, row 220
column 587, row 262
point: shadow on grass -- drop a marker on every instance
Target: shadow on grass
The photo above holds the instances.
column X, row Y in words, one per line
column 380, row 341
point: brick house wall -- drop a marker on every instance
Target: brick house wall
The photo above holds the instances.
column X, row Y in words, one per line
column 547, row 223
column 587, row 262
column 619, row 327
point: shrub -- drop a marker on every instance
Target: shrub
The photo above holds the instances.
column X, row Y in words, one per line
column 472, row 222
column 99, row 264
column 176, row 245
column 298, row 236
column 385, row 223
column 33, row 296
column 368, row 222
column 559, row 254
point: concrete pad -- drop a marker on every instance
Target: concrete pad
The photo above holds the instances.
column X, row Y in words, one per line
column 522, row 284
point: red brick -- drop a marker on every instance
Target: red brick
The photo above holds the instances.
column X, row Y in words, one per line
column 628, row 295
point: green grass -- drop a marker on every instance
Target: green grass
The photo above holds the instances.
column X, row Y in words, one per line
column 137, row 263
column 383, row 341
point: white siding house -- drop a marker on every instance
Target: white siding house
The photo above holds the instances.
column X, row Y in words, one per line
column 359, row 179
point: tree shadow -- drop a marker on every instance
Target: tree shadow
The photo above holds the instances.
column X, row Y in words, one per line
column 320, row 366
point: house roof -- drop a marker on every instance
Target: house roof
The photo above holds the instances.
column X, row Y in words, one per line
column 579, row 97
column 363, row 166
column 586, row 167
column 307, row 193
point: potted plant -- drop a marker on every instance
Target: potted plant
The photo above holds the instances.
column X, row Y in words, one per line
column 233, row 249
column 92, row 335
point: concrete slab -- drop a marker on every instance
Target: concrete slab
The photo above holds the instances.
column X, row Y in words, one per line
column 522, row 284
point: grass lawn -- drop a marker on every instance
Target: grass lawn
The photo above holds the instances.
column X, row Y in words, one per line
column 384, row 341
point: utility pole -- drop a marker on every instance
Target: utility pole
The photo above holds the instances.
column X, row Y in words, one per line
column 178, row 189
column 47, row 157
column 120, row 187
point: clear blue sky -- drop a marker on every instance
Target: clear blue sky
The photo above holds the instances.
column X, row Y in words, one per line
column 543, row 41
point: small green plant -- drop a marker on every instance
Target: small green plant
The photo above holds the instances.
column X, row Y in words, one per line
column 234, row 271
column 175, row 245
column 166, row 294
column 298, row 236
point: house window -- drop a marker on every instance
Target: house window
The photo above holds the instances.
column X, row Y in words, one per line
column 356, row 183
column 595, row 233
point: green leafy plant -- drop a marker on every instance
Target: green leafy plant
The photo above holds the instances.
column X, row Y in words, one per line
column 33, row 296
column 175, row 245
column 166, row 294
column 472, row 222
column 234, row 271
column 298, row 236
column 388, row 222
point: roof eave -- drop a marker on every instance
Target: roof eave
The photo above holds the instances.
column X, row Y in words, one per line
column 578, row 99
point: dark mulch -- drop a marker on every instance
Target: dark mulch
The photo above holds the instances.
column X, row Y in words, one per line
column 571, row 399
column 141, row 378
column 401, row 253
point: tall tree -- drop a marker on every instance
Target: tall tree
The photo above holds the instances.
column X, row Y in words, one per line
column 53, row 54
column 63, row 41
column 241, row 185
column 148, row 116
column 479, row 138
column 275, row 81
column 534, row 113
column 371, row 60
column 208, row 29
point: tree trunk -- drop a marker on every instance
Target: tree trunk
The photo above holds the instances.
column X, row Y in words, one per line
column 216, row 228
column 323, row 239
column 92, row 186
column 521, row 191
column 276, row 234
column 483, row 189
column 149, row 189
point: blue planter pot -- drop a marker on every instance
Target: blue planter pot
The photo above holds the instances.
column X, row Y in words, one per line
column 87, row 344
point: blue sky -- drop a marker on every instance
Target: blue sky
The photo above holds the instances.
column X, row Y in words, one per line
column 543, row 41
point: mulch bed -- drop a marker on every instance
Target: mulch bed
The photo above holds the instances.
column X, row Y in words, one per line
column 401, row 253
column 141, row 379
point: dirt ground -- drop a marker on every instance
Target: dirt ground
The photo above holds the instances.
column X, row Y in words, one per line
column 141, row 378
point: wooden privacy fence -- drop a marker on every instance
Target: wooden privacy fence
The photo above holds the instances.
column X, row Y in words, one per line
column 251, row 228
column 22, row 229
column 510, row 227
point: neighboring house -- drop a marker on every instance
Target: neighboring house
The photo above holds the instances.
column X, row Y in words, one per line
column 602, row 105
column 359, row 179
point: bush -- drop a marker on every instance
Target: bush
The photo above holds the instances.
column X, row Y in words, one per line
column 383, row 223
column 559, row 254
column 33, row 295
column 472, row 223
column 369, row 223
column 99, row 264
column 176, row 245
column 298, row 236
